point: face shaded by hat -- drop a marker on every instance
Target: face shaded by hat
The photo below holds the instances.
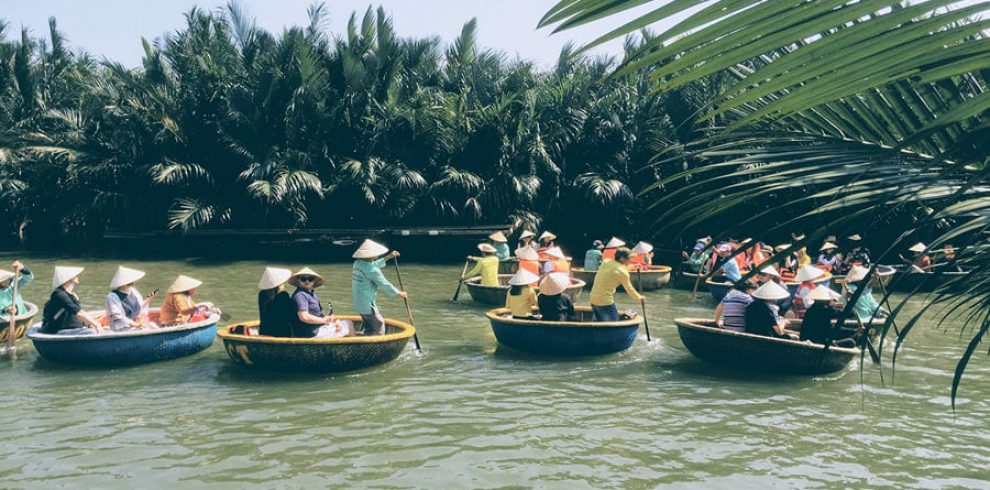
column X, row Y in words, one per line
column 306, row 278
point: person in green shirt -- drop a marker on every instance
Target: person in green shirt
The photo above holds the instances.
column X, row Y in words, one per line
column 593, row 257
column 696, row 261
column 366, row 279
column 8, row 303
column 609, row 277
column 487, row 266
column 866, row 306
column 501, row 245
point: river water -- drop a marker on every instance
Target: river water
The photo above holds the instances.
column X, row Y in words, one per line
column 468, row 414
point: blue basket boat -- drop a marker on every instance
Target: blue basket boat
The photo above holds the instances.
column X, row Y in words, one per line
column 571, row 338
column 127, row 348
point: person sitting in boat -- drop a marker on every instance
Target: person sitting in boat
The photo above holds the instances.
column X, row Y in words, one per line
column 949, row 255
column 501, row 245
column 276, row 310
column 806, row 275
column 529, row 260
column 555, row 304
column 730, row 313
column 547, row 241
column 526, row 240
column 126, row 309
column 63, row 313
column 858, row 254
column 818, row 326
column 729, row 267
column 179, row 306
column 486, row 266
column 698, row 258
column 366, row 279
column 801, row 257
column 921, row 262
column 593, row 257
column 608, row 278
column 866, row 306
column 741, row 258
column 767, row 274
column 557, row 262
column 611, row 247
column 828, row 259
column 9, row 304
column 521, row 298
column 311, row 322
column 789, row 263
column 763, row 314
column 642, row 257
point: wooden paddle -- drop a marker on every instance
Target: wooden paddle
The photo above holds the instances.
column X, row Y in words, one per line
column 646, row 323
column 406, row 300
column 13, row 316
column 461, row 281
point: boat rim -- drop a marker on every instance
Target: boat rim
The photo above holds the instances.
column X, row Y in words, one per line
column 407, row 332
column 692, row 323
column 34, row 332
column 828, row 275
column 654, row 269
column 32, row 310
column 496, row 314
column 473, row 282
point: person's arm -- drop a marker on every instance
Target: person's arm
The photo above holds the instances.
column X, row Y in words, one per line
column 302, row 312
column 475, row 271
column 627, row 285
column 718, row 314
column 187, row 306
column 115, row 311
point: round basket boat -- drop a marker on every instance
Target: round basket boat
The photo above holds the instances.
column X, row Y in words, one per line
column 873, row 327
column 127, row 348
column 687, row 280
column 587, row 276
column 315, row 355
column 718, row 289
column 650, row 279
column 511, row 265
column 495, row 295
column 21, row 323
column 906, row 280
column 571, row 338
column 792, row 285
column 885, row 272
column 756, row 352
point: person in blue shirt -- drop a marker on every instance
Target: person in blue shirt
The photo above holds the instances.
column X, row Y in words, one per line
column 366, row 279
column 8, row 303
column 501, row 245
column 729, row 266
column 593, row 257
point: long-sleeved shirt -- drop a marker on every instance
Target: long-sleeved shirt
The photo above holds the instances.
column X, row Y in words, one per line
column 731, row 270
column 608, row 278
column 120, row 310
column 696, row 262
column 592, row 260
column 866, row 305
column 178, row 307
column 557, row 307
column 488, row 268
column 7, row 294
column 502, row 251
column 366, row 278
column 521, row 305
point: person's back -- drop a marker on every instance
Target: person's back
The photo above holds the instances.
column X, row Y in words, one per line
column 556, row 307
column 817, row 324
column 760, row 319
column 592, row 260
column 60, row 311
column 277, row 313
column 520, row 301
column 734, row 306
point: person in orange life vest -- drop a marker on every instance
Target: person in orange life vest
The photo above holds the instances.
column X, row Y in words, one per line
column 526, row 240
column 529, row 260
column 760, row 253
column 922, row 262
column 806, row 275
column 611, row 247
column 546, row 241
column 557, row 262
column 742, row 259
column 642, row 257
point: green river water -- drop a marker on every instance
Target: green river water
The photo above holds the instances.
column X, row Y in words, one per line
column 468, row 414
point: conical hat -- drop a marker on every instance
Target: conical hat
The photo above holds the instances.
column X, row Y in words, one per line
column 370, row 249
column 526, row 234
column 554, row 283
column 306, row 271
column 546, row 235
column 771, row 291
column 484, row 247
column 523, row 277
column 782, row 246
column 498, row 236
column 527, row 253
column 555, row 252
column 183, row 284
column 4, row 275
column 918, row 247
column 64, row 274
column 829, row 246
column 822, row 293
column 855, row 238
column 770, row 270
column 830, row 238
column 642, row 248
column 125, row 276
column 857, row 273
column 274, row 277
column 614, row 243
column 808, row 273
column 798, row 237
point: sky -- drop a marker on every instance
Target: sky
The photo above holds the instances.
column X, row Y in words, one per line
column 114, row 28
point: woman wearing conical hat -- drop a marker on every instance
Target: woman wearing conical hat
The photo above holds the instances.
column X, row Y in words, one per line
column 486, row 266
column 547, row 241
column 501, row 244
column 763, row 314
column 526, row 240
column 63, row 313
column 817, row 326
column 555, row 304
column 921, row 262
column 866, row 305
column 529, row 260
column 806, row 275
column 556, row 262
column 179, row 306
column 126, row 309
column 827, row 258
column 10, row 305
column 311, row 321
column 642, row 257
column 611, row 247
column 521, row 299
column 276, row 309
column 366, row 279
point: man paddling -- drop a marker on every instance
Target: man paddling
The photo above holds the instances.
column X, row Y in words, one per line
column 9, row 305
column 366, row 279
column 609, row 277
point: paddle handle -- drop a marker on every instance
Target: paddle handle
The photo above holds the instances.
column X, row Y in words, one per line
column 13, row 316
column 646, row 322
column 874, row 356
column 461, row 281
column 398, row 274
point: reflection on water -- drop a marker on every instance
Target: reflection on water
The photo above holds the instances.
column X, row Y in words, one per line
column 467, row 413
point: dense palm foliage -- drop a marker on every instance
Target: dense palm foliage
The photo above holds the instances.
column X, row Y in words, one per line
column 227, row 125
column 838, row 117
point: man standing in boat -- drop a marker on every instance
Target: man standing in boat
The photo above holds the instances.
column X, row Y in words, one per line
column 366, row 278
column 610, row 275
column 9, row 305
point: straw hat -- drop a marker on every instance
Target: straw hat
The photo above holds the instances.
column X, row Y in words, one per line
column 857, row 273
column 526, row 234
column 65, row 274
column 498, row 237
column 4, row 275
column 830, row 238
column 555, row 283
column 822, row 293
column 523, row 277
column 527, row 253
column 771, row 291
column 782, row 247
column 183, row 284
column 770, row 270
column 370, row 249
column 855, row 238
column 642, row 248
column 723, row 248
column 706, row 240
column 274, row 277
column 555, row 252
column 125, row 276
column 615, row 243
column 546, row 235
column 798, row 237
column 918, row 247
column 484, row 247
column 808, row 273
column 829, row 246
column 306, row 271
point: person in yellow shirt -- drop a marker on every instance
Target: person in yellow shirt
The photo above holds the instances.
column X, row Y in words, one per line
column 610, row 275
column 521, row 298
column 487, row 265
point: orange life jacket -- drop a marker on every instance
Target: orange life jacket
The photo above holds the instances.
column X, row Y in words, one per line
column 561, row 266
column 531, row 266
column 609, row 254
column 638, row 262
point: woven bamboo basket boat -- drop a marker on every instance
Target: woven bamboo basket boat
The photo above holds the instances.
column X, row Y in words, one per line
column 872, row 328
column 885, row 272
column 495, row 295
column 127, row 348
column 755, row 352
column 511, row 265
column 587, row 276
column 21, row 323
column 687, row 280
column 571, row 338
column 315, row 355
column 650, row 279
column 905, row 280
column 718, row 289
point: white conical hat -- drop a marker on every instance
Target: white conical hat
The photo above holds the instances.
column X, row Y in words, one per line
column 642, row 248
column 918, row 247
column 527, row 253
column 369, row 249
column 183, row 284
column 771, row 291
column 857, row 273
column 526, row 234
column 523, row 277
column 306, row 271
column 770, row 270
column 498, row 236
column 546, row 235
column 554, row 283
column 614, row 243
column 274, row 277
column 64, row 274
column 555, row 252
column 125, row 276
column 808, row 273
column 782, row 247
column 484, row 247
column 855, row 237
column 822, row 293
column 829, row 246
column 4, row 275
